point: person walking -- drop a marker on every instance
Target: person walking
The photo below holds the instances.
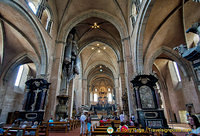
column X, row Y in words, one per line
column 83, row 119
column 89, row 124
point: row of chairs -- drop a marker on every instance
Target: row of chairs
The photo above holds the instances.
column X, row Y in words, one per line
column 43, row 129
column 39, row 131
column 66, row 126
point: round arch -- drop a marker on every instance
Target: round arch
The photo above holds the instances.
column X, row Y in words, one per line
column 86, row 72
column 139, row 32
column 96, row 77
column 104, row 41
column 64, row 31
column 172, row 54
column 20, row 59
column 43, row 49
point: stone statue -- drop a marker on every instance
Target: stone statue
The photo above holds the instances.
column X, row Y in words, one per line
column 194, row 29
column 181, row 49
column 125, row 102
column 68, row 49
column 71, row 60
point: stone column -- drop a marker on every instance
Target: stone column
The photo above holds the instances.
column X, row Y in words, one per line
column 122, row 77
column 55, row 80
column 70, row 102
column 128, row 75
column 79, row 92
column 88, row 95
column 84, row 91
column 117, row 90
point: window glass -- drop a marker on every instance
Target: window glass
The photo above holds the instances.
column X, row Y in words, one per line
column 19, row 75
column 95, row 97
column 110, row 97
column 32, row 6
column 177, row 71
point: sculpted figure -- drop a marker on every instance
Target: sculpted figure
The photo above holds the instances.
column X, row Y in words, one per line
column 194, row 29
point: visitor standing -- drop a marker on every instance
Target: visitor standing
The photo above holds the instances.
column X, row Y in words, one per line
column 83, row 119
column 121, row 117
column 89, row 123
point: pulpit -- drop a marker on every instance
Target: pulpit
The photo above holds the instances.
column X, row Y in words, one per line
column 61, row 108
column 149, row 113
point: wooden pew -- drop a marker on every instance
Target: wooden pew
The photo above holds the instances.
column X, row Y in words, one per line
column 43, row 130
column 58, row 125
column 14, row 131
column 28, row 131
column 71, row 124
column 108, row 123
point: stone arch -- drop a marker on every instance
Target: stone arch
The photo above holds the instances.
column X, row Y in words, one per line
column 101, row 40
column 139, row 32
column 92, row 13
column 94, row 78
column 20, row 59
column 43, row 48
column 97, row 63
column 172, row 54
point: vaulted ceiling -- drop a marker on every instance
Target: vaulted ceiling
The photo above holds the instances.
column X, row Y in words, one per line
column 165, row 26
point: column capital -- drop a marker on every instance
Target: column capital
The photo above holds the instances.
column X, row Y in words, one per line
column 120, row 61
column 125, row 38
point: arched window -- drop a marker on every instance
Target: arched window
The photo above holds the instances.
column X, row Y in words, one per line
column 22, row 74
column 19, row 75
column 34, row 5
column 95, row 97
column 46, row 19
column 133, row 14
column 109, row 97
column 177, row 71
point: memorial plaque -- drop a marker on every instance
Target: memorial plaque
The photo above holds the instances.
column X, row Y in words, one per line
column 146, row 97
column 154, row 123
